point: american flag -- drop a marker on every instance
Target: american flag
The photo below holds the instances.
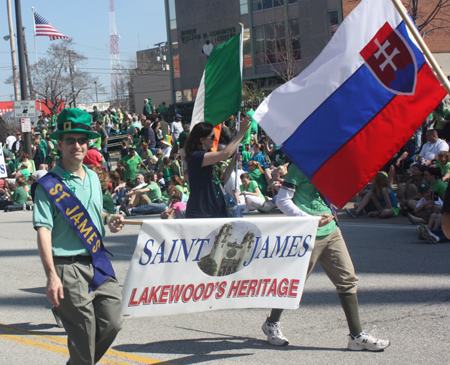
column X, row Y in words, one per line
column 44, row 28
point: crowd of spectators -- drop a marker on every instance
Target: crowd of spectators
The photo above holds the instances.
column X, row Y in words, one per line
column 151, row 175
column 424, row 167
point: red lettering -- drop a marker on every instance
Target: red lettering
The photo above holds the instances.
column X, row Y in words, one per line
column 153, row 298
column 273, row 288
column 264, row 282
column 144, row 296
column 283, row 287
column 164, row 294
column 243, row 288
column 132, row 302
column 209, row 290
column 191, row 292
column 252, row 288
column 234, row 288
column 293, row 287
column 198, row 296
column 221, row 289
column 175, row 293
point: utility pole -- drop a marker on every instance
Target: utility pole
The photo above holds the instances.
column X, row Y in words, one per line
column 13, row 52
column 72, row 67
column 22, row 72
column 27, row 63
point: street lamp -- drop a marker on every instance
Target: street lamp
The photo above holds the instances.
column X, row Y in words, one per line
column 96, row 95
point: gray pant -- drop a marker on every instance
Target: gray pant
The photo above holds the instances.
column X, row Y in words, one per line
column 91, row 319
column 332, row 254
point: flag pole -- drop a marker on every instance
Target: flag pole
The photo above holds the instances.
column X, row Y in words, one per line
column 35, row 52
column 239, row 112
column 428, row 55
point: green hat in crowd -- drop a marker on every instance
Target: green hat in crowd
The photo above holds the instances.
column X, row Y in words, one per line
column 423, row 188
column 74, row 121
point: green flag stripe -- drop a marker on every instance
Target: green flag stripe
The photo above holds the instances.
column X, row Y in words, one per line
column 223, row 84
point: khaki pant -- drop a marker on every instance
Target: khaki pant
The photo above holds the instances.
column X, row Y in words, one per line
column 91, row 319
column 332, row 254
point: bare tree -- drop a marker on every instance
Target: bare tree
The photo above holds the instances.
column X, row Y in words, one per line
column 252, row 93
column 59, row 79
column 283, row 50
column 429, row 16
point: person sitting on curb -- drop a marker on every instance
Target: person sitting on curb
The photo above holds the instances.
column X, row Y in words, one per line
column 382, row 196
column 428, row 204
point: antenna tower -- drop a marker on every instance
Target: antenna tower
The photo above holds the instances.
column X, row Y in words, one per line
column 116, row 67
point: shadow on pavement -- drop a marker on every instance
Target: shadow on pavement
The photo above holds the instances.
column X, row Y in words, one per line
column 199, row 350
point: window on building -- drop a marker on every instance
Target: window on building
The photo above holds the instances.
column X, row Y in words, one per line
column 266, row 4
column 247, row 48
column 178, row 97
column 270, row 42
column 260, row 52
column 333, row 22
column 175, row 60
column 172, row 15
column 257, row 5
column 187, row 95
column 292, row 1
column 243, row 4
column 294, row 29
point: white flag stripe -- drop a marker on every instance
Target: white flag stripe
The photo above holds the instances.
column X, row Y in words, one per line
column 301, row 96
column 198, row 114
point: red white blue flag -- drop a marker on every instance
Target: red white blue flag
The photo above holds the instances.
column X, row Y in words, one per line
column 44, row 28
column 356, row 105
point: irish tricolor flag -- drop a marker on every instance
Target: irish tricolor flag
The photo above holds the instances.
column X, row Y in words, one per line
column 220, row 91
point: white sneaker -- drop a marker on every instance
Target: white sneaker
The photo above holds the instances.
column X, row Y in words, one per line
column 366, row 341
column 274, row 334
column 245, row 211
column 421, row 232
column 430, row 237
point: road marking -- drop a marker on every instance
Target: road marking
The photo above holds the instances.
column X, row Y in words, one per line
column 64, row 351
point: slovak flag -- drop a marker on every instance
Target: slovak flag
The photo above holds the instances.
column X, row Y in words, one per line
column 356, row 105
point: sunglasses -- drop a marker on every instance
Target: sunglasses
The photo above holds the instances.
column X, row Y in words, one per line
column 72, row 140
column 213, row 137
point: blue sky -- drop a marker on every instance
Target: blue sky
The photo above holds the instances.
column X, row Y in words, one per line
column 140, row 24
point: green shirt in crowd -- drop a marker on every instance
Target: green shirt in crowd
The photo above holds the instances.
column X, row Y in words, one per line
column 131, row 166
column 155, row 191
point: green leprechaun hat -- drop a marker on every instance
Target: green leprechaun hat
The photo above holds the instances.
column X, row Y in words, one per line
column 74, row 120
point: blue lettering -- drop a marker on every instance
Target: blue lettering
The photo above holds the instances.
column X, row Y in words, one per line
column 264, row 248
column 201, row 247
column 246, row 263
column 171, row 251
column 185, row 250
column 147, row 251
column 278, row 248
column 160, row 253
column 305, row 246
column 293, row 246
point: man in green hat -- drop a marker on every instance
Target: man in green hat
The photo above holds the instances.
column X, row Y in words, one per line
column 90, row 312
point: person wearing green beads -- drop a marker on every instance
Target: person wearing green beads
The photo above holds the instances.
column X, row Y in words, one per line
column 88, row 305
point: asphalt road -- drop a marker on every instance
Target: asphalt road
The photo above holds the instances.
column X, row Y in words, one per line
column 404, row 289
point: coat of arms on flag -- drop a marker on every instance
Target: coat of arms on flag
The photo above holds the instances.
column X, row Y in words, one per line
column 391, row 61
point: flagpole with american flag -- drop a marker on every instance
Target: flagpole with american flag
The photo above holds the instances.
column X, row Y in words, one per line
column 42, row 27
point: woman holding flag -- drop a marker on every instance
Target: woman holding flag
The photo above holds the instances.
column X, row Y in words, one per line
column 205, row 174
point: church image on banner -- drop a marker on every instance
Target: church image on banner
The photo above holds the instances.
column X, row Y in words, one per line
column 227, row 255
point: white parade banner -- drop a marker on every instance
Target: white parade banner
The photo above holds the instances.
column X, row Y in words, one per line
column 196, row 265
column 3, row 172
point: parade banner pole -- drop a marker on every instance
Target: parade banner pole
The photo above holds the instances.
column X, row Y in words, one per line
column 133, row 222
column 239, row 113
column 426, row 51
